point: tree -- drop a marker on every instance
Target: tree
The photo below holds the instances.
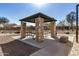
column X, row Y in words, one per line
column 71, row 17
column 62, row 24
column 3, row 21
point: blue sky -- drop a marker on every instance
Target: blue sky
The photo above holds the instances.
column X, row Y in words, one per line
column 17, row 11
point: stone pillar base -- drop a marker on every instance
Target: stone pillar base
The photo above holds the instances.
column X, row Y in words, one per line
column 23, row 29
column 53, row 29
column 40, row 41
column 39, row 29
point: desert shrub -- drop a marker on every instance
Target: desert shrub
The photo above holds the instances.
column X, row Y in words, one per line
column 17, row 32
column 67, row 32
column 63, row 39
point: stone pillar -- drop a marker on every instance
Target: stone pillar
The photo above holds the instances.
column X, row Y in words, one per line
column 53, row 28
column 23, row 29
column 39, row 29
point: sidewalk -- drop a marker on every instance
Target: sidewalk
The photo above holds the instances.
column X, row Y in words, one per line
column 55, row 49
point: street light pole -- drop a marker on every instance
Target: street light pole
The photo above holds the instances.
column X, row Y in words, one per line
column 77, row 23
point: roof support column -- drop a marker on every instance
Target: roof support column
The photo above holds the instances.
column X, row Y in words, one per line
column 23, row 29
column 39, row 29
column 53, row 28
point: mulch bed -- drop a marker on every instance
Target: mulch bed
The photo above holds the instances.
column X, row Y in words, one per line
column 18, row 48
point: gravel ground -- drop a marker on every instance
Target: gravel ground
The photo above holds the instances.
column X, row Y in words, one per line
column 75, row 49
column 12, row 47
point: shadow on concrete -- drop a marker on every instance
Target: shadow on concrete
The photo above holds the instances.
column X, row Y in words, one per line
column 17, row 48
